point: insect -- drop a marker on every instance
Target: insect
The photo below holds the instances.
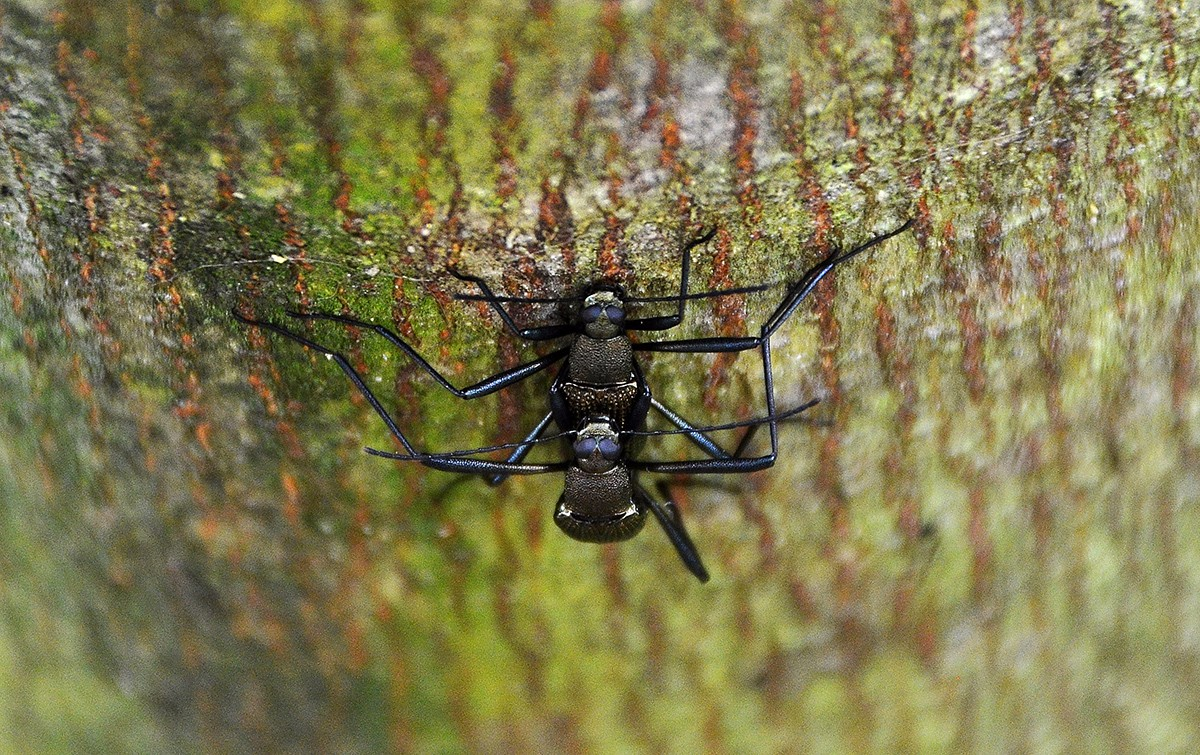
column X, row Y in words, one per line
column 599, row 401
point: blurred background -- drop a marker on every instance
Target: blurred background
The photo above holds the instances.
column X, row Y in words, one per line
column 983, row 537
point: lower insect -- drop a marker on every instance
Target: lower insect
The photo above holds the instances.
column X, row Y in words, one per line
column 599, row 402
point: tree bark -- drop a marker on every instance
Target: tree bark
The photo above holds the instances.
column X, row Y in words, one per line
column 981, row 538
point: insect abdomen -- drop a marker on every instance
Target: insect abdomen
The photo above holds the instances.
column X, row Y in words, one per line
column 599, row 508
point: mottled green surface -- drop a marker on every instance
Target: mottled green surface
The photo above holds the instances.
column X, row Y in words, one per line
column 986, row 540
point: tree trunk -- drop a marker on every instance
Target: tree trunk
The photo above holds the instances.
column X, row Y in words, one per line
column 982, row 537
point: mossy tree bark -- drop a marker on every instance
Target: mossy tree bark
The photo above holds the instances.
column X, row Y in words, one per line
column 985, row 538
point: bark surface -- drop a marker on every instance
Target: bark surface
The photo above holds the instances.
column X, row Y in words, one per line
column 982, row 538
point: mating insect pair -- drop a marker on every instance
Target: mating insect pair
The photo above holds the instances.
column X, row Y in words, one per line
column 599, row 401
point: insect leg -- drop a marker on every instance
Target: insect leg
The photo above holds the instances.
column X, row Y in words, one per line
column 467, row 465
column 800, row 290
column 744, row 443
column 729, row 464
column 694, row 434
column 543, row 333
column 445, row 462
column 667, row 322
column 796, row 293
column 488, row 385
column 667, row 514
column 522, row 450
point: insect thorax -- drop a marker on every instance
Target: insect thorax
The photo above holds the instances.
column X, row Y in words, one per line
column 601, row 361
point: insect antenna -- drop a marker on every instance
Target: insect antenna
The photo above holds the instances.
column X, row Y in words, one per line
column 517, row 299
column 704, row 294
column 466, row 451
column 630, row 299
column 752, row 422
column 541, row 333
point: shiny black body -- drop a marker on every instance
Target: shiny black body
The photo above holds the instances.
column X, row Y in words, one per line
column 601, row 399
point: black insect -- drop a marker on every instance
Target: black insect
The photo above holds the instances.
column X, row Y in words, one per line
column 600, row 399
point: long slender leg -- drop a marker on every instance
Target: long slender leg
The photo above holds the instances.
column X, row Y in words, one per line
column 744, row 443
column 667, row 322
column 714, row 450
column 796, row 294
column 729, row 465
column 628, row 299
column 667, row 515
column 753, row 423
column 670, row 518
column 800, row 291
column 698, row 433
column 543, row 333
column 769, row 385
column 694, row 434
column 708, row 446
column 737, row 461
column 466, row 465
column 445, row 462
column 482, row 388
column 521, row 451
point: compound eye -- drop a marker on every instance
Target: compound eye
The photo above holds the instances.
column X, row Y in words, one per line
column 585, row 448
column 590, row 314
column 616, row 315
column 610, row 449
